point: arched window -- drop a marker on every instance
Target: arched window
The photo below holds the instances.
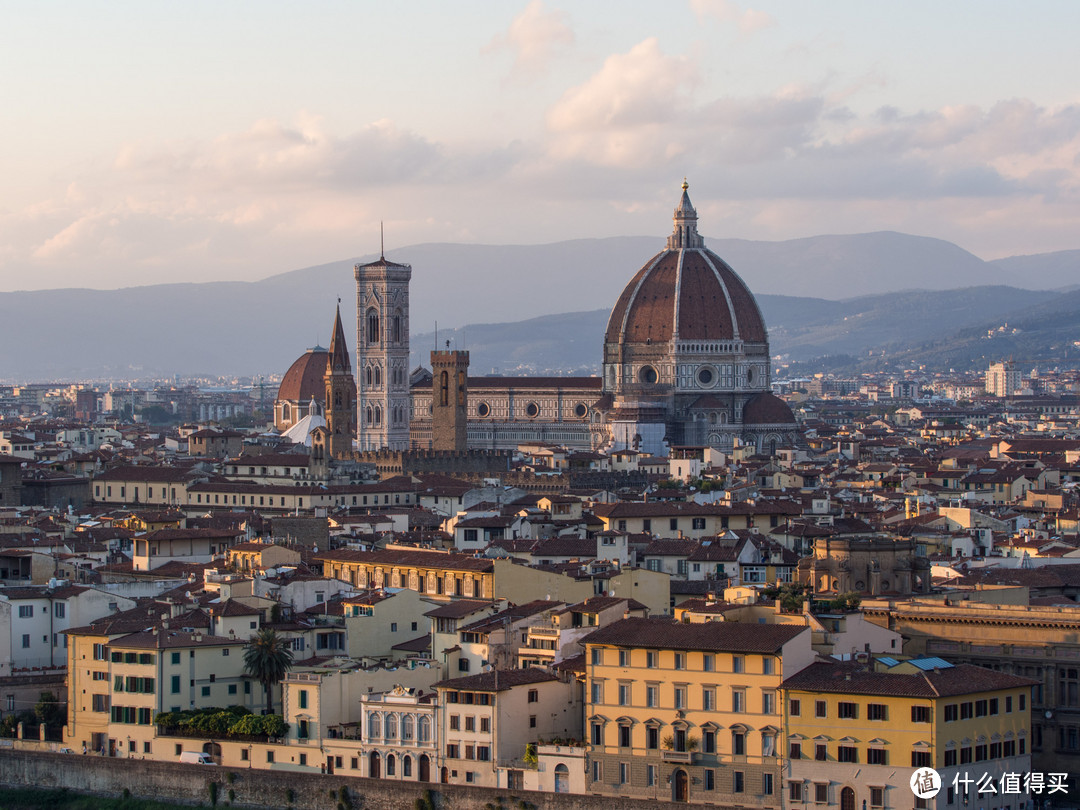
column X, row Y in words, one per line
column 369, row 415
column 372, row 326
column 444, row 389
column 391, row 731
column 406, row 766
column 378, row 415
column 374, row 726
column 286, row 411
column 367, row 375
column 461, row 389
column 378, row 376
column 407, row 728
column 390, row 763
column 423, row 730
column 397, row 326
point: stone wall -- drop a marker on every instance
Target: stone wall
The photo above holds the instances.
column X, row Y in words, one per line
column 270, row 790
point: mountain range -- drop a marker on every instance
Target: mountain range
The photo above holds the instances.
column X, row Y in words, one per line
column 533, row 307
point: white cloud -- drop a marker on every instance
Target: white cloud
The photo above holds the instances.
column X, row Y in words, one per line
column 725, row 11
column 536, row 36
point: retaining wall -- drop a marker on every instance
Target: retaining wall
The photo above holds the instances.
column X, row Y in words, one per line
column 269, row 790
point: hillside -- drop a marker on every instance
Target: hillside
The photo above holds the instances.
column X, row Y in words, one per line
column 228, row 328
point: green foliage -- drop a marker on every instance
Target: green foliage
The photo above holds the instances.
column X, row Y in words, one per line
column 9, row 726
column 212, row 789
column 232, row 795
column 530, row 758
column 290, row 795
column 846, row 602
column 274, row 725
column 230, row 777
column 267, row 657
column 47, row 710
column 217, row 722
column 790, row 594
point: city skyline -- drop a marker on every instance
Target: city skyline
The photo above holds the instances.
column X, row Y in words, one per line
column 234, row 143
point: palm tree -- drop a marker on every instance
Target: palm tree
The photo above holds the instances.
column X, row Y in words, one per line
column 267, row 657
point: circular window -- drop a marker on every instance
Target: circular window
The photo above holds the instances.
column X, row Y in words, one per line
column 483, row 409
column 647, row 375
column 532, row 409
column 580, row 410
column 705, row 376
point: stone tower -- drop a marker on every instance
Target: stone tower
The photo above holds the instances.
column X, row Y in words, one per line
column 382, row 354
column 340, row 407
column 449, row 400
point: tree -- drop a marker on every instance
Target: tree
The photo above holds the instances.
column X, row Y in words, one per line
column 47, row 710
column 267, row 657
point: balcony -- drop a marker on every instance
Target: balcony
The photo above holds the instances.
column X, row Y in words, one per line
column 547, row 632
column 303, row 677
column 677, row 756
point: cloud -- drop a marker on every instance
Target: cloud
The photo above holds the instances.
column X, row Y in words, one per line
column 536, row 36
column 727, row 12
column 622, row 115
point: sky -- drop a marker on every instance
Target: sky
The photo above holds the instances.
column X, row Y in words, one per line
column 151, row 142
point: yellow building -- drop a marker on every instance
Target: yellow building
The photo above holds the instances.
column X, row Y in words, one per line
column 689, row 712
column 427, row 572
column 854, row 735
column 118, row 680
column 1035, row 641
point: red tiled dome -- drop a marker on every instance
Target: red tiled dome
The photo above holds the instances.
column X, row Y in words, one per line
column 304, row 379
column 767, row 409
column 690, row 292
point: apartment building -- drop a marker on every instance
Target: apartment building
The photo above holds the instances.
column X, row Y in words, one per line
column 854, row 734
column 689, row 712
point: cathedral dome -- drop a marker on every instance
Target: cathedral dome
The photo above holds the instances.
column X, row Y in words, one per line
column 304, row 379
column 686, row 292
column 767, row 409
column 689, row 295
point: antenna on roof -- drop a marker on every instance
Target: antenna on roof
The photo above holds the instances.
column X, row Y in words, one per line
column 382, row 242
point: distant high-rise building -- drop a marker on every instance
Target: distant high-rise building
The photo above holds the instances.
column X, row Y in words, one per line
column 382, row 354
column 1002, row 379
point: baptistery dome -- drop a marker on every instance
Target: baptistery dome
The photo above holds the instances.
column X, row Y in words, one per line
column 686, row 350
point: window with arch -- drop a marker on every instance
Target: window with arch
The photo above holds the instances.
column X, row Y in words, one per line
column 369, row 414
column 444, row 389
column 406, row 766
column 372, row 326
column 396, row 327
column 407, row 727
column 378, row 376
column 391, row 762
column 390, row 727
column 461, row 389
column 378, row 415
column 286, row 411
column 367, row 375
column 423, row 729
column 374, row 725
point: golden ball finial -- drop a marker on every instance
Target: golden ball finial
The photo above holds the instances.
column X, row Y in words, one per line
column 685, row 185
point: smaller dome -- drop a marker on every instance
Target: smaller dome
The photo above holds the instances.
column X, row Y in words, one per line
column 304, row 379
column 767, row 409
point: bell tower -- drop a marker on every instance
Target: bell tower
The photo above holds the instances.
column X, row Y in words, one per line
column 340, row 407
column 382, row 354
column 449, row 400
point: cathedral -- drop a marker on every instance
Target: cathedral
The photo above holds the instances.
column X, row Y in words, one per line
column 685, row 364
